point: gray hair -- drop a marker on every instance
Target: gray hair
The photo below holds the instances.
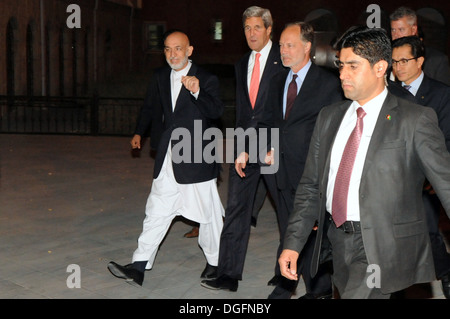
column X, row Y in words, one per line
column 258, row 12
column 401, row 12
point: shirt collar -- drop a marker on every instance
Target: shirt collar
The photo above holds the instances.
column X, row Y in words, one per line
column 373, row 106
column 302, row 73
column 182, row 72
column 264, row 51
column 415, row 84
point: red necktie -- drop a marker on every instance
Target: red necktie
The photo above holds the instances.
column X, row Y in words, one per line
column 291, row 95
column 340, row 193
column 254, row 83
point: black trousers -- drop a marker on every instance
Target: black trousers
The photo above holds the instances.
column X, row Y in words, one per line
column 237, row 223
column 321, row 282
column 440, row 255
column 260, row 197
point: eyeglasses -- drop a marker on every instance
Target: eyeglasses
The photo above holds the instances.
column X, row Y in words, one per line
column 402, row 62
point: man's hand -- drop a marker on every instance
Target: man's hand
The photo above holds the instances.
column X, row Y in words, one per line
column 428, row 188
column 288, row 264
column 240, row 163
column 269, row 159
column 136, row 142
column 191, row 83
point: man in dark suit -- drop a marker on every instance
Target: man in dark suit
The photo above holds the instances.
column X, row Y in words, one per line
column 368, row 205
column 403, row 24
column 408, row 56
column 185, row 98
column 314, row 88
column 249, row 109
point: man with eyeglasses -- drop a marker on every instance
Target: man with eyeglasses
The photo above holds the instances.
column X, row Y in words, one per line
column 407, row 61
column 403, row 24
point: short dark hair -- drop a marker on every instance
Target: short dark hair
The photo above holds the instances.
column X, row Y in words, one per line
column 414, row 42
column 373, row 44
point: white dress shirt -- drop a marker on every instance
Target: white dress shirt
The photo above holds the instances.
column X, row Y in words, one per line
column 262, row 62
column 372, row 109
column 175, row 83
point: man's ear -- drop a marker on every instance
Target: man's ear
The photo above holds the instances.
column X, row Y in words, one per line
column 420, row 61
column 190, row 50
column 415, row 31
column 381, row 68
column 308, row 47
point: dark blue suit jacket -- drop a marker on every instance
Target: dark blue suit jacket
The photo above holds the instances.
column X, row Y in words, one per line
column 436, row 95
column 431, row 93
column 246, row 116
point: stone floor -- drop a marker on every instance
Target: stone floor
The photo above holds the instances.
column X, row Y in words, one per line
column 70, row 204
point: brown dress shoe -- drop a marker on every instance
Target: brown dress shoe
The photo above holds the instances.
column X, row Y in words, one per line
column 193, row 233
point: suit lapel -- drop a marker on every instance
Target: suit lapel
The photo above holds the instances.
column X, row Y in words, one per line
column 306, row 90
column 309, row 81
column 164, row 84
column 422, row 92
column 184, row 93
column 331, row 131
column 271, row 65
column 244, row 78
column 381, row 128
column 281, row 81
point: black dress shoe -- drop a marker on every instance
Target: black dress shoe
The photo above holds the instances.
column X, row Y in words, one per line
column 280, row 293
column 445, row 281
column 275, row 280
column 223, row 282
column 130, row 274
column 210, row 272
column 325, row 295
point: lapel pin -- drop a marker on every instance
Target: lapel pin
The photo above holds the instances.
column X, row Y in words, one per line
column 275, row 62
column 388, row 117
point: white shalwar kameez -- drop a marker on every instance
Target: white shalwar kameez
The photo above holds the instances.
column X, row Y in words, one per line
column 199, row 202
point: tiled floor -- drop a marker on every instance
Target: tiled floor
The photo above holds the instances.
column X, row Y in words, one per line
column 78, row 201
